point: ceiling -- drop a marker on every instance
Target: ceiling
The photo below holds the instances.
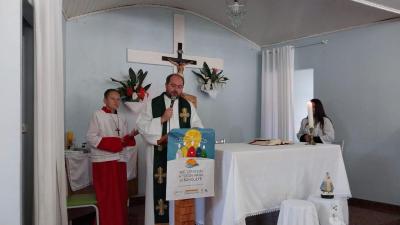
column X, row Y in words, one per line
column 267, row 21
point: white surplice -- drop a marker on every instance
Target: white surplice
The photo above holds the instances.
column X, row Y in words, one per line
column 327, row 134
column 151, row 130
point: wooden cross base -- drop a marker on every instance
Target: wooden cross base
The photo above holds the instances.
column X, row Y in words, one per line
column 185, row 212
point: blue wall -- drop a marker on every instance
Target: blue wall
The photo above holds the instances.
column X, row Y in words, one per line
column 357, row 76
column 11, row 74
column 96, row 50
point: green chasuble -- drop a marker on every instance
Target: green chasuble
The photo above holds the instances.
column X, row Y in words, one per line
column 161, row 207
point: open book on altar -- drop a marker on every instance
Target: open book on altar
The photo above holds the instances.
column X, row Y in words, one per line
column 269, row 142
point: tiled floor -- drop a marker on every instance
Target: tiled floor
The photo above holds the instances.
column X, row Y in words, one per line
column 359, row 215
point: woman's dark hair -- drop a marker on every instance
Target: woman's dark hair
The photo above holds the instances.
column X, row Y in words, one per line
column 319, row 112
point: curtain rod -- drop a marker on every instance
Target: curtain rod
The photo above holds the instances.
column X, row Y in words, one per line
column 323, row 42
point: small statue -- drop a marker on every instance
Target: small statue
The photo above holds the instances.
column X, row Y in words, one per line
column 327, row 187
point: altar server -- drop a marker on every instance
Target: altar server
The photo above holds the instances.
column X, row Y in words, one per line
column 109, row 140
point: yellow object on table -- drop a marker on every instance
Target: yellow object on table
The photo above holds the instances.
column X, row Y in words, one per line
column 69, row 139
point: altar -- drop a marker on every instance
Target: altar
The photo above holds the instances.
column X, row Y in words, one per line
column 252, row 179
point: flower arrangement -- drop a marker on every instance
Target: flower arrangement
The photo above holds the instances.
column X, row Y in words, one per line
column 210, row 79
column 132, row 90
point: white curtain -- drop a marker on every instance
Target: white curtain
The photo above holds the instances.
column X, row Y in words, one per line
column 49, row 170
column 277, row 117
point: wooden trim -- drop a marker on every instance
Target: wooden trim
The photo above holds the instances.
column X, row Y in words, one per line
column 137, row 200
column 376, row 206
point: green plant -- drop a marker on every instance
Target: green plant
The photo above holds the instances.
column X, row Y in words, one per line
column 209, row 78
column 132, row 90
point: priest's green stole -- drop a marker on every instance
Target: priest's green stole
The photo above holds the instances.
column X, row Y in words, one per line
column 161, row 206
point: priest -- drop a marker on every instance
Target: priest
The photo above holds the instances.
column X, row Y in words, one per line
column 165, row 112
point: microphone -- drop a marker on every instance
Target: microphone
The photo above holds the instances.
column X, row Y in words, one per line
column 173, row 98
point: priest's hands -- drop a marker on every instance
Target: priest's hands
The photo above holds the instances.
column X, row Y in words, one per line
column 167, row 115
column 163, row 140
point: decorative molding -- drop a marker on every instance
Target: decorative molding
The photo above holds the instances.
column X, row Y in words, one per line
column 255, row 45
column 395, row 19
column 378, row 6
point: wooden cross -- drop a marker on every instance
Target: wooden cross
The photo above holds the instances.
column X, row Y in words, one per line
column 156, row 58
column 160, row 175
column 184, row 115
column 161, row 207
column 179, row 62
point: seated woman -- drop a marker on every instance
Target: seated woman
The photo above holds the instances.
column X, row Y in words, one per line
column 323, row 128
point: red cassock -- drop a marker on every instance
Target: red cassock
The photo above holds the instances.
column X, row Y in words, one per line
column 109, row 165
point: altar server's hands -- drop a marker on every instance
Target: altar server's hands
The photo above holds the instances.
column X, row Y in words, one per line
column 134, row 132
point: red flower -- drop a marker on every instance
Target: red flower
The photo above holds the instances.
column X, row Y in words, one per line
column 129, row 92
column 215, row 70
column 142, row 93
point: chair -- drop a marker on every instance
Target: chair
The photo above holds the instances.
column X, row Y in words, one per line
column 82, row 201
column 297, row 212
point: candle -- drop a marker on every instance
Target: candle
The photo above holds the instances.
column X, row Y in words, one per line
column 310, row 115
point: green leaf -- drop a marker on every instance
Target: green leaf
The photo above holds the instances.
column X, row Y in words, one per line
column 132, row 75
column 214, row 78
column 206, row 68
column 147, row 87
column 141, row 78
column 122, row 83
column 201, row 76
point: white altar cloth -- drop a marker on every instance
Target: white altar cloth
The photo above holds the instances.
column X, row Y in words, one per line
column 252, row 179
column 79, row 167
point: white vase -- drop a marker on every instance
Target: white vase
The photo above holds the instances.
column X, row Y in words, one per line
column 211, row 92
column 136, row 107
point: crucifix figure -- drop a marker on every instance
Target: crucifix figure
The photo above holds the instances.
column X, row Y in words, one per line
column 179, row 62
column 160, row 175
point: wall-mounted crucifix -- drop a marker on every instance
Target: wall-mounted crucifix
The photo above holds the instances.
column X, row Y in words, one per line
column 157, row 58
column 179, row 62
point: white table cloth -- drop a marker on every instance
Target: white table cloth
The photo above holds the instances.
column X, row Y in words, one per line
column 325, row 209
column 79, row 167
column 297, row 212
column 251, row 179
